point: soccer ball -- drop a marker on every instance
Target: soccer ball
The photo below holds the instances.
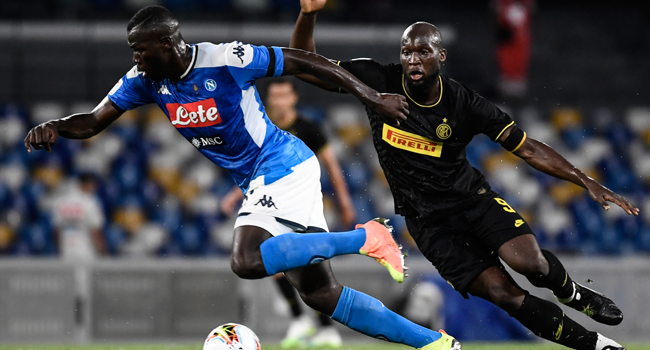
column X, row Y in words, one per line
column 232, row 336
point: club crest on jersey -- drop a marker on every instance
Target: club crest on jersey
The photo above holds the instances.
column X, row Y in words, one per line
column 443, row 130
column 210, row 85
column 194, row 115
column 411, row 142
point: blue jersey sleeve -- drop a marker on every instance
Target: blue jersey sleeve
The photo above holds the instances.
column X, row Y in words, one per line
column 248, row 62
column 131, row 91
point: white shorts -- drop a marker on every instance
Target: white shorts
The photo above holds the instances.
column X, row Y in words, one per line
column 293, row 203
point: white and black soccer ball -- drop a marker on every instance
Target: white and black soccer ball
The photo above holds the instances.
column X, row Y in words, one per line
column 232, row 336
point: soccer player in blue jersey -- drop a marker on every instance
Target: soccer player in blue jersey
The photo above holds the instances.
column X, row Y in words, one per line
column 209, row 95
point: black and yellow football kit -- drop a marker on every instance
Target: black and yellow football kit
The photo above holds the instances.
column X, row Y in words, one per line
column 455, row 218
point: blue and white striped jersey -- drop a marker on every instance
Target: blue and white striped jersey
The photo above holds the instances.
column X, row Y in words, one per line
column 217, row 108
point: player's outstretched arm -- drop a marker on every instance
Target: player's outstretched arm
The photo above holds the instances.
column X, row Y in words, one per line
column 303, row 38
column 545, row 159
column 76, row 126
column 393, row 107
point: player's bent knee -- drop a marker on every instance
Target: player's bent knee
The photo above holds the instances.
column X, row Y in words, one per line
column 247, row 268
column 533, row 266
column 506, row 296
column 322, row 299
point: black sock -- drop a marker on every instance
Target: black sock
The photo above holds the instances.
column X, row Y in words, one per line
column 557, row 279
column 547, row 321
column 324, row 320
column 290, row 295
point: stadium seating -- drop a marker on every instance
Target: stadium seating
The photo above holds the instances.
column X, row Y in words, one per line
column 150, row 176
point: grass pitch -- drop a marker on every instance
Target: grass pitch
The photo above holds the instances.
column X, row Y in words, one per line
column 374, row 346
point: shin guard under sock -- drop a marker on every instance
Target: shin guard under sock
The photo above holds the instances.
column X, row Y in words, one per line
column 548, row 321
column 369, row 316
column 292, row 250
column 557, row 279
column 290, row 296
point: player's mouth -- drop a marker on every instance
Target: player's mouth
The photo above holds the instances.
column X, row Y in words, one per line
column 416, row 75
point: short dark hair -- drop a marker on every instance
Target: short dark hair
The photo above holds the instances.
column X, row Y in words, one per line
column 151, row 17
column 283, row 80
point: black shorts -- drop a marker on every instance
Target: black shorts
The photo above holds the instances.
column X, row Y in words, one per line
column 462, row 245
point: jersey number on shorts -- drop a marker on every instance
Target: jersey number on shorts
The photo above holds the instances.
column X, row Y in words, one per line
column 505, row 205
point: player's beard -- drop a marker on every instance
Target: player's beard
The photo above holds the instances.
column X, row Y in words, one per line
column 424, row 85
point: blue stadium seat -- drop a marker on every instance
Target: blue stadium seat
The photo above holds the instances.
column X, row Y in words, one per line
column 619, row 135
column 191, row 239
column 610, row 240
column 568, row 240
column 115, row 238
column 6, row 197
column 170, row 218
column 311, row 112
column 109, row 193
column 629, row 226
column 588, row 218
column 574, row 136
column 30, row 194
column 618, row 176
column 479, row 148
column 38, row 238
column 365, row 209
column 357, row 176
column 642, row 240
column 128, row 172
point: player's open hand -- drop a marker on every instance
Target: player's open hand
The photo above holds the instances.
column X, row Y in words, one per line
column 311, row 6
column 42, row 136
column 392, row 107
column 602, row 195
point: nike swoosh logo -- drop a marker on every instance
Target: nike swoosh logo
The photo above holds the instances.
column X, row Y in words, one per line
column 519, row 222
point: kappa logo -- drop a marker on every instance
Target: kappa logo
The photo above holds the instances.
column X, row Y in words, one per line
column 266, row 203
column 199, row 141
column 239, row 52
column 411, row 142
column 194, row 115
column 163, row 90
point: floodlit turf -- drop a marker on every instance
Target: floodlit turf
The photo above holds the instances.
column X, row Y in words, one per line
column 374, row 346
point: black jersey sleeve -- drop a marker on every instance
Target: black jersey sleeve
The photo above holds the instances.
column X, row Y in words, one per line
column 488, row 118
column 371, row 73
column 310, row 133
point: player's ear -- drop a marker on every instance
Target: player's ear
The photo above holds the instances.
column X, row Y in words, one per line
column 166, row 42
column 443, row 55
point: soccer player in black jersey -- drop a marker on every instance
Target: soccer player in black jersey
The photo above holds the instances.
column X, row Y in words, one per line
column 457, row 221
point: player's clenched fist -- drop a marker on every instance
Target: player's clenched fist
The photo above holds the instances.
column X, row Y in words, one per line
column 311, row 6
column 42, row 136
column 392, row 107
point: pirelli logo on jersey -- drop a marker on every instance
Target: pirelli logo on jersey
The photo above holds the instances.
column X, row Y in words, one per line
column 194, row 115
column 411, row 142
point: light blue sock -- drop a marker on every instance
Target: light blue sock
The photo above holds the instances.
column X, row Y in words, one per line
column 292, row 250
column 369, row 316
